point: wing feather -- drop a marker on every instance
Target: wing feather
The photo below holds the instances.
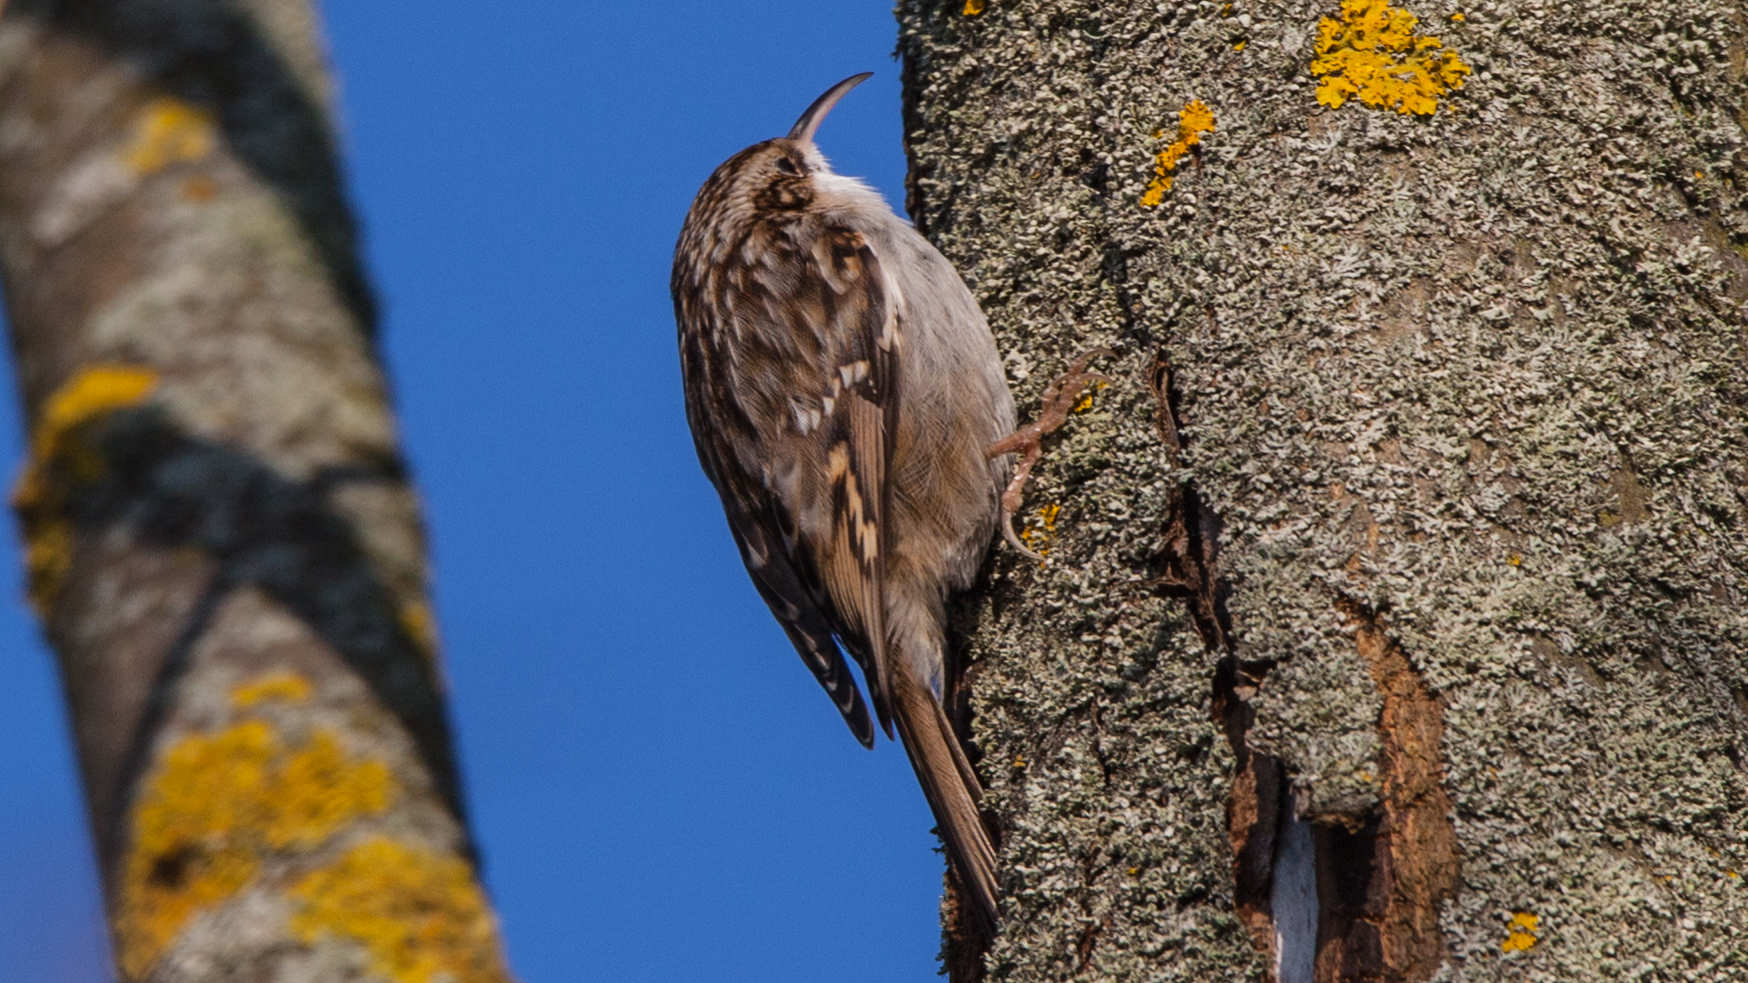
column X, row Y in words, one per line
column 864, row 320
column 798, row 445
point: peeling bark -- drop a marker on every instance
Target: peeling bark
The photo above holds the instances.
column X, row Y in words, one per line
column 1389, row 876
column 222, row 541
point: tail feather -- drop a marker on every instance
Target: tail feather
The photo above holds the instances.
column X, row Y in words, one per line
column 960, row 761
column 951, row 787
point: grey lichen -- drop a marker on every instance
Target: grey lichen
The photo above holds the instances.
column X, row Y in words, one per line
column 1479, row 373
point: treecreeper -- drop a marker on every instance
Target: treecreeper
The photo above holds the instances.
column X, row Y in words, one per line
column 847, row 401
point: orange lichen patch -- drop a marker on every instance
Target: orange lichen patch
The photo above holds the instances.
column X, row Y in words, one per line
column 973, row 7
column 170, row 131
column 1086, row 401
column 185, row 854
column 319, row 790
column 1371, row 52
column 63, row 458
column 213, row 808
column 1194, row 120
column 287, row 686
column 1522, row 932
column 420, row 914
column 1039, row 532
column 420, row 626
column 95, row 392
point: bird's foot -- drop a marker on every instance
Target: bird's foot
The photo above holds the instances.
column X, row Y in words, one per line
column 1060, row 398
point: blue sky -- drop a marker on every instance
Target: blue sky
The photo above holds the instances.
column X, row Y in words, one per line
column 660, row 789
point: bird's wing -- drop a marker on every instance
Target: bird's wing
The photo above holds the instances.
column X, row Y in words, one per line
column 796, row 605
column 861, row 312
column 764, row 530
column 795, row 430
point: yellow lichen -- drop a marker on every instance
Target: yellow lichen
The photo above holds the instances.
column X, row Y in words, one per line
column 1194, row 120
column 62, row 458
column 421, row 915
column 973, row 7
column 1372, row 53
column 287, row 686
column 318, row 791
column 95, row 392
column 1086, row 401
column 1458, row 17
column 1038, row 533
column 170, row 131
column 213, row 808
column 1522, row 932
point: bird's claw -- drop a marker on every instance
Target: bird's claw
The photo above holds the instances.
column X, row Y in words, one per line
column 1013, row 539
column 1059, row 399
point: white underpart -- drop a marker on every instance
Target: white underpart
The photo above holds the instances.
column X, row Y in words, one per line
column 1295, row 901
column 840, row 191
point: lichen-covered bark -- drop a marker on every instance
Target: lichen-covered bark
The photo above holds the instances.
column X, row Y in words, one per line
column 222, row 541
column 1457, row 371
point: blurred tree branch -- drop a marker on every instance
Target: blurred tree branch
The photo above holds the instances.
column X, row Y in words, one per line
column 223, row 545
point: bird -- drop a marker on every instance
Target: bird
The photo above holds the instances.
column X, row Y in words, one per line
column 842, row 388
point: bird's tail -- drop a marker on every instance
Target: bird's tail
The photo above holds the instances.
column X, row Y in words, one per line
column 952, row 788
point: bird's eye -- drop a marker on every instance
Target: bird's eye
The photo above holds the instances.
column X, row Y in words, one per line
column 786, row 165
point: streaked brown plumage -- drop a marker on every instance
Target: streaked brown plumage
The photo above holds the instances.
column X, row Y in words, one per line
column 842, row 387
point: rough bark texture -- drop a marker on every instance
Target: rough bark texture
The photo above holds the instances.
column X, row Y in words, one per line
column 223, row 545
column 1436, row 530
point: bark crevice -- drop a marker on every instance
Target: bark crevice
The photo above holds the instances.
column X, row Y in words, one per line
column 1381, row 880
column 1185, row 567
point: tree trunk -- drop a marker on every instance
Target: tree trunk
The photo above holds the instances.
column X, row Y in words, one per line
column 222, row 542
column 1392, row 627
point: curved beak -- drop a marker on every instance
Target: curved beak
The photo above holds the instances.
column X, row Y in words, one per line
column 808, row 124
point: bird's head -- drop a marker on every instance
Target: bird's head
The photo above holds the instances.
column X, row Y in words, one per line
column 779, row 174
